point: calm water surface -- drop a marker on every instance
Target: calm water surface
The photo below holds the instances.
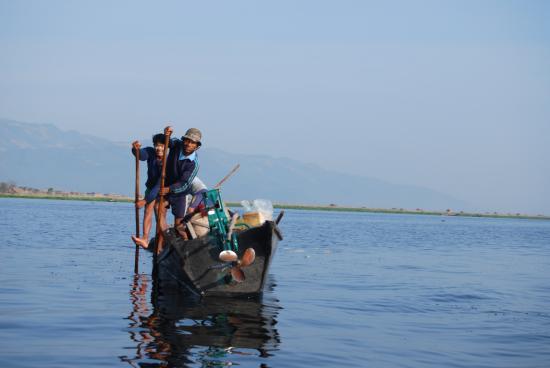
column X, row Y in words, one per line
column 346, row 289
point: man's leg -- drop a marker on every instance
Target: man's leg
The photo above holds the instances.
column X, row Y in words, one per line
column 161, row 218
column 148, row 219
column 179, row 206
column 147, row 222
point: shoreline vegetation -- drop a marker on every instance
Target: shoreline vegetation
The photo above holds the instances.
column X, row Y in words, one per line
column 10, row 190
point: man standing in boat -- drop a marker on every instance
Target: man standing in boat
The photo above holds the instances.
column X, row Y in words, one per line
column 182, row 166
column 153, row 156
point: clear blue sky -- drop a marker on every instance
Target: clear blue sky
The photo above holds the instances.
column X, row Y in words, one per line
column 449, row 95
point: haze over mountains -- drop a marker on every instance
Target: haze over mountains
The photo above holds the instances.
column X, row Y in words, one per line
column 42, row 156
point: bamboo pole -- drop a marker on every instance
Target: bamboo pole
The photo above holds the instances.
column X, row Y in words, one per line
column 136, row 257
column 159, row 239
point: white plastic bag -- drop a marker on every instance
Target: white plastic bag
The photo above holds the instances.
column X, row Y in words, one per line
column 263, row 206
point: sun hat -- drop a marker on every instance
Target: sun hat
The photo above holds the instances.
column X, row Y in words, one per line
column 193, row 134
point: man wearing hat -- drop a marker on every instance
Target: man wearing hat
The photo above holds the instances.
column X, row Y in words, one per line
column 182, row 165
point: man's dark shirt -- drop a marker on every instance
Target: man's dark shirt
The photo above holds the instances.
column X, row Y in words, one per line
column 154, row 166
column 180, row 169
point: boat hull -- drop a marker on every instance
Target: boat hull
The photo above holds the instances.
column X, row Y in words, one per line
column 194, row 264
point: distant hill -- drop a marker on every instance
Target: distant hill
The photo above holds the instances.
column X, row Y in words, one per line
column 43, row 156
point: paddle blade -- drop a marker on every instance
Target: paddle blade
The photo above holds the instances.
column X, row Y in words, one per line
column 237, row 274
column 228, row 256
column 248, row 257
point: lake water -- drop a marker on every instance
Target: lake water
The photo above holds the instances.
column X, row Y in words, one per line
column 346, row 289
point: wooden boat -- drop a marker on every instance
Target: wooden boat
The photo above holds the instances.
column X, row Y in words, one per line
column 194, row 265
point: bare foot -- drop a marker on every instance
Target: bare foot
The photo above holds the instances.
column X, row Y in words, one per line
column 141, row 242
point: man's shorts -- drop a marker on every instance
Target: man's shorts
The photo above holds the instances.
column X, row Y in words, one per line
column 151, row 193
column 178, row 205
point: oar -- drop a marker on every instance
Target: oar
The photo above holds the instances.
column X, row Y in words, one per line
column 159, row 236
column 227, row 176
column 136, row 258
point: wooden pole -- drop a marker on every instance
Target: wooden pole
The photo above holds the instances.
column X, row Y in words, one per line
column 136, row 258
column 227, row 176
column 159, row 239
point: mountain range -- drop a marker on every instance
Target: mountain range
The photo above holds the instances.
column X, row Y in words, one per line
column 42, row 156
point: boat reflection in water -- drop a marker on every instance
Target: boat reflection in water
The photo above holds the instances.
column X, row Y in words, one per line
column 176, row 329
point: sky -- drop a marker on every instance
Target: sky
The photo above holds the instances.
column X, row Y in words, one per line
column 449, row 95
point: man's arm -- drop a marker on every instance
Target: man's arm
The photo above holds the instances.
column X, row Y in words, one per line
column 173, row 142
column 143, row 152
column 184, row 181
